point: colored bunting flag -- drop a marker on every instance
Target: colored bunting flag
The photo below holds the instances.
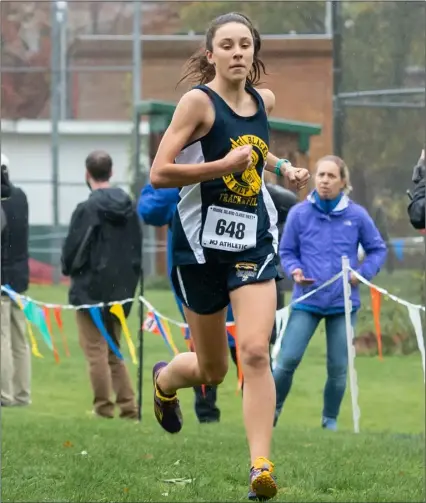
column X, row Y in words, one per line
column 46, row 314
column 150, row 324
column 163, row 332
column 35, row 315
column 95, row 313
column 57, row 314
column 375, row 306
column 17, row 299
column 416, row 320
column 118, row 311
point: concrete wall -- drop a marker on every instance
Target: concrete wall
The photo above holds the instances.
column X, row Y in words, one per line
column 28, row 144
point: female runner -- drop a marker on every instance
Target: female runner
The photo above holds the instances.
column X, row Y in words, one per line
column 224, row 232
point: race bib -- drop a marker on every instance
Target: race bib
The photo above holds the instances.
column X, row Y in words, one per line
column 229, row 230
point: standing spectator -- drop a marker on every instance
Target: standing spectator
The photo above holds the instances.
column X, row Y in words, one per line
column 5, row 182
column 416, row 208
column 283, row 200
column 15, row 350
column 318, row 232
column 102, row 254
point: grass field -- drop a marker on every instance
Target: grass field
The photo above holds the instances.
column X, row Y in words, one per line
column 56, row 450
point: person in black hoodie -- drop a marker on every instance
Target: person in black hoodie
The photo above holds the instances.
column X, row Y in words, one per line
column 283, row 200
column 102, row 254
column 416, row 208
column 15, row 350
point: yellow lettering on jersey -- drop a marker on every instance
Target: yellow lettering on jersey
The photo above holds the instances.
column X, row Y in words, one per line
column 250, row 184
column 228, row 198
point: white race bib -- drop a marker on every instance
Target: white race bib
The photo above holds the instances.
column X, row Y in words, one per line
column 229, row 230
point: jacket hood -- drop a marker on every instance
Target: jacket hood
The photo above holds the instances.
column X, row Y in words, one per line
column 341, row 205
column 112, row 204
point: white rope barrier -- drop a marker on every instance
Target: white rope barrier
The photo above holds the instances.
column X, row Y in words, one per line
column 281, row 315
column 350, row 337
column 281, row 321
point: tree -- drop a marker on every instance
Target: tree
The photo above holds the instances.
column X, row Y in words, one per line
column 270, row 18
column 25, row 44
column 380, row 40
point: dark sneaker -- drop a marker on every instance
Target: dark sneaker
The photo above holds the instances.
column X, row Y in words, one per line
column 166, row 408
column 263, row 485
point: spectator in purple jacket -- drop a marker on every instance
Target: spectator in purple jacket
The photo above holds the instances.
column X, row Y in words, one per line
column 318, row 232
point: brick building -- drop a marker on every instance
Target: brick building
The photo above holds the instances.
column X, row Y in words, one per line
column 299, row 73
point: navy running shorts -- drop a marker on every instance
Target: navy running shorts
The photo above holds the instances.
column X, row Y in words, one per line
column 204, row 288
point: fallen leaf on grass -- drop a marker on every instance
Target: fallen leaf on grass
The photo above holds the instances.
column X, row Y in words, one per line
column 126, row 489
column 148, row 456
column 67, row 444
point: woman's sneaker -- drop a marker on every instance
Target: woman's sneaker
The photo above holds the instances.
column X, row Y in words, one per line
column 166, row 408
column 263, row 485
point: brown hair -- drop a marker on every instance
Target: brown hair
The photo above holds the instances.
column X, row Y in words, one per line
column 200, row 71
column 343, row 170
column 99, row 166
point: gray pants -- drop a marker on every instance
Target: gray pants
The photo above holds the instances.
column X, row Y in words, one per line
column 15, row 356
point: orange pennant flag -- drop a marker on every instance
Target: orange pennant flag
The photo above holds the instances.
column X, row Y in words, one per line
column 58, row 319
column 150, row 324
column 232, row 330
column 186, row 337
column 376, row 298
column 46, row 312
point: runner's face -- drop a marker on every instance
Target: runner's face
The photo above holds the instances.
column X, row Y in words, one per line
column 233, row 52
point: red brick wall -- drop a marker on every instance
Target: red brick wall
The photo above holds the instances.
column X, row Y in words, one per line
column 299, row 73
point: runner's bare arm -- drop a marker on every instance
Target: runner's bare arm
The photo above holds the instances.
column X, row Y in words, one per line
column 191, row 116
column 299, row 177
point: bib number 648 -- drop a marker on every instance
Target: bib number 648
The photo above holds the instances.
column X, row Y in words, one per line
column 229, row 230
column 232, row 229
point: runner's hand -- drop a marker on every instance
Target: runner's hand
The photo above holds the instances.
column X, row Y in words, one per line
column 238, row 159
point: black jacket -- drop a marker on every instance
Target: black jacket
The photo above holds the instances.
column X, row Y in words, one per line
column 15, row 256
column 416, row 208
column 102, row 252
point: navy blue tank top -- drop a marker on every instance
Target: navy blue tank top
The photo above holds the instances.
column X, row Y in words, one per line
column 233, row 217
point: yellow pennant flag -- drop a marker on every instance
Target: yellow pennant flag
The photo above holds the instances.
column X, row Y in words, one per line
column 166, row 327
column 117, row 310
column 34, row 347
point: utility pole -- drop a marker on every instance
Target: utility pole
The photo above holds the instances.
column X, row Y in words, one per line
column 55, row 103
column 338, row 111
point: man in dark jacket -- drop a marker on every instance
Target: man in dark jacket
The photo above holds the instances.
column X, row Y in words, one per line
column 15, row 351
column 416, row 208
column 102, row 254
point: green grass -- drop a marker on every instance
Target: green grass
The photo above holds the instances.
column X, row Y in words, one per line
column 44, row 446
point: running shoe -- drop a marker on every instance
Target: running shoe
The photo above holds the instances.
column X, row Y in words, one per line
column 263, row 485
column 166, row 408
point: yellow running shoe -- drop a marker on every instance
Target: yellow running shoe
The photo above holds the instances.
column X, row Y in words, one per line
column 263, row 485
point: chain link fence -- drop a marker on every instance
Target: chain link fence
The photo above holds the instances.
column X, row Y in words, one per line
column 56, row 60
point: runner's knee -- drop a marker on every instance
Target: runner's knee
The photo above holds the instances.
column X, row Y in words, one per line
column 214, row 374
column 255, row 355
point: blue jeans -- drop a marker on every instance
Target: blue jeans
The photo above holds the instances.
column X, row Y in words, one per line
column 300, row 328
